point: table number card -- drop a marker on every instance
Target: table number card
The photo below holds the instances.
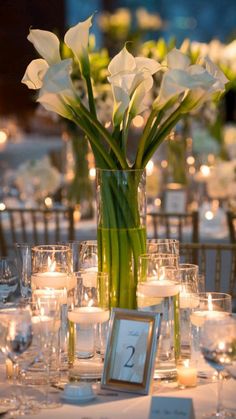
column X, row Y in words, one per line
column 171, row 408
column 131, row 349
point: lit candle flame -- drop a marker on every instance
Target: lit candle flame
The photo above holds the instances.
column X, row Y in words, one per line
column 186, row 363
column 90, row 303
column 209, row 300
column 51, row 265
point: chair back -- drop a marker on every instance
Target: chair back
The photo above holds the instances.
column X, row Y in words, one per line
column 35, row 226
column 217, row 262
column 174, row 225
column 231, row 221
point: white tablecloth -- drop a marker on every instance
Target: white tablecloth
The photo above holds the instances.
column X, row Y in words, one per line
column 129, row 406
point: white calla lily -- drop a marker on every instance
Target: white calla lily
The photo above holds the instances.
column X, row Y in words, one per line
column 77, row 38
column 122, row 62
column 127, row 74
column 57, row 79
column 47, row 44
column 57, row 90
column 177, row 60
column 137, row 104
column 34, row 74
column 54, row 103
column 121, row 103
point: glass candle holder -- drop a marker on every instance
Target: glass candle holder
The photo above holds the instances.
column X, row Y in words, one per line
column 163, row 246
column 186, row 373
column 158, row 291
column 206, row 306
column 52, row 270
column 189, row 285
column 86, row 318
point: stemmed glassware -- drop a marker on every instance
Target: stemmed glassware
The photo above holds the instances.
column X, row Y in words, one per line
column 15, row 338
column 8, row 278
column 24, row 267
column 218, row 346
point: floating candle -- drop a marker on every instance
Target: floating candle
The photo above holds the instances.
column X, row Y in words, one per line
column 89, row 315
column 198, row 318
column 159, row 288
column 55, row 280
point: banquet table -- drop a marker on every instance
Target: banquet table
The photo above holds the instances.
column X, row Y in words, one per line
column 114, row 405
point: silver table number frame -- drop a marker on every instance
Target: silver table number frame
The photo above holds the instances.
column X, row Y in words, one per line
column 131, row 351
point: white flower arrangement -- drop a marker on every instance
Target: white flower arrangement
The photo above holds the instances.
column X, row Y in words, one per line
column 184, row 88
column 38, row 178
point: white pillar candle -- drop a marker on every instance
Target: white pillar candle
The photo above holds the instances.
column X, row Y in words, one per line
column 159, row 288
column 88, row 315
column 186, row 374
column 198, row 318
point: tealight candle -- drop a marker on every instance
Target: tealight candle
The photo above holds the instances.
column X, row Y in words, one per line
column 159, row 288
column 186, row 374
column 88, row 315
column 198, row 318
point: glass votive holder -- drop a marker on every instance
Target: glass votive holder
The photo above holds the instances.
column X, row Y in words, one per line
column 163, row 246
column 186, row 373
column 206, row 305
column 158, row 291
column 91, row 310
column 188, row 277
column 51, row 270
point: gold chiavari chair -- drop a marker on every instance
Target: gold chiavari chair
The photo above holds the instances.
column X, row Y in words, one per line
column 35, row 226
column 217, row 262
column 172, row 225
column 231, row 220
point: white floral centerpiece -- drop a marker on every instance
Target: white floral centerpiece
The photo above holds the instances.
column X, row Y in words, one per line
column 184, row 88
column 37, row 178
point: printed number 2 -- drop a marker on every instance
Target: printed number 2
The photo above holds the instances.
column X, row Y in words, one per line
column 128, row 364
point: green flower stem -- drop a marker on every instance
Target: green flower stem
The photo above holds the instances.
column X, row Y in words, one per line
column 138, row 162
column 100, row 152
column 105, row 134
column 90, row 95
column 120, row 221
column 158, row 140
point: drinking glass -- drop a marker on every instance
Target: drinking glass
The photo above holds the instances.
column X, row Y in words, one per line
column 206, row 306
column 218, row 343
column 16, row 338
column 189, row 285
column 88, row 324
column 88, row 257
column 163, row 246
column 49, row 313
column 24, row 267
column 8, row 279
column 158, row 291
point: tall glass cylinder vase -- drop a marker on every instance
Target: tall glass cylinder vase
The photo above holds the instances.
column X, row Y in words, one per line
column 121, row 231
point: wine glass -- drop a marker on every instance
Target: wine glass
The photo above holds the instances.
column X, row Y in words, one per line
column 16, row 337
column 8, row 278
column 218, row 346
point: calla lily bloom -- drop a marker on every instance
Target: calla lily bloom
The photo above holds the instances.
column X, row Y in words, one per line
column 34, row 74
column 127, row 73
column 47, row 44
column 77, row 39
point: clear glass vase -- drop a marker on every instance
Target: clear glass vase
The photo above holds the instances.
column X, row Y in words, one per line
column 121, row 231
